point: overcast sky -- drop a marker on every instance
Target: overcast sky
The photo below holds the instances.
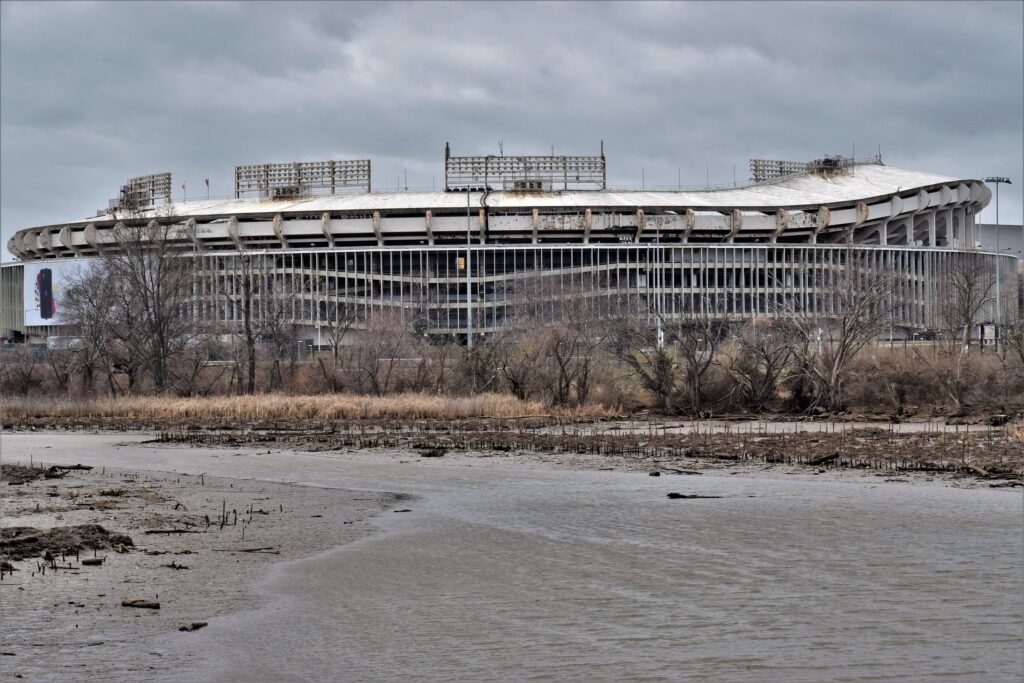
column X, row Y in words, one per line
column 93, row 93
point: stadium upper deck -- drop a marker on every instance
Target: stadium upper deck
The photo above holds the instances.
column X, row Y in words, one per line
column 865, row 204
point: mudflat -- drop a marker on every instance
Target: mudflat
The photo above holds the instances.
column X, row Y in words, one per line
column 509, row 566
column 109, row 568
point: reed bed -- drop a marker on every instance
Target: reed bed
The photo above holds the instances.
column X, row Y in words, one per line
column 987, row 453
column 286, row 408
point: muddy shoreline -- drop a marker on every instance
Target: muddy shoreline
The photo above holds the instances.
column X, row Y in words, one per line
column 940, row 448
column 198, row 546
column 990, row 454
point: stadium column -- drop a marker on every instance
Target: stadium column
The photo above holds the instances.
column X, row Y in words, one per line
column 821, row 222
column 325, row 227
column 233, row 232
column 735, row 224
column 781, row 221
column 931, row 227
column 376, row 229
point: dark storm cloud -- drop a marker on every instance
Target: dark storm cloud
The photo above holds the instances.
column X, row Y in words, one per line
column 91, row 94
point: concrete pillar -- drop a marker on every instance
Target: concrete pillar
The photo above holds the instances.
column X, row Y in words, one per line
column 821, row 222
column 325, row 228
column 735, row 224
column 781, row 223
column 931, row 229
column 376, row 229
column 91, row 237
column 428, row 218
column 233, row 232
column 691, row 220
column 278, row 232
column 65, row 239
column 190, row 228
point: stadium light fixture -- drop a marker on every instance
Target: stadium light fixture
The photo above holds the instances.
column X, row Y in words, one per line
column 998, row 180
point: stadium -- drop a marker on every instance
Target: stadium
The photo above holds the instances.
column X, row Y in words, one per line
column 505, row 230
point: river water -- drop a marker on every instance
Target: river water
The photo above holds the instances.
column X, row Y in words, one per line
column 534, row 573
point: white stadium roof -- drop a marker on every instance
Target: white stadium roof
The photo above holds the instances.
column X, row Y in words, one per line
column 868, row 180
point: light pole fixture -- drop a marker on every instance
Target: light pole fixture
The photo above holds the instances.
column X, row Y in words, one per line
column 998, row 180
column 469, row 280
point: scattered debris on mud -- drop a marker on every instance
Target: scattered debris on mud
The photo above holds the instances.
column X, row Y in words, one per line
column 673, row 446
column 21, row 542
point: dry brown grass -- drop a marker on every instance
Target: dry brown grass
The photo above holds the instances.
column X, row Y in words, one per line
column 281, row 407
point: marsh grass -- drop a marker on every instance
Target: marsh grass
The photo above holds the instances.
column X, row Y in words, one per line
column 284, row 407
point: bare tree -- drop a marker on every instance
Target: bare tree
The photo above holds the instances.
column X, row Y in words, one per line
column 478, row 365
column 341, row 316
column 569, row 347
column 966, row 290
column 696, row 336
column 131, row 308
column 243, row 282
column 1013, row 332
column 102, row 311
column 676, row 370
column 62, row 366
column 861, row 300
column 157, row 279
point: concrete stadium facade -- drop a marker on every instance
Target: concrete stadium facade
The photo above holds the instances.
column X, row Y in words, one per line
column 760, row 250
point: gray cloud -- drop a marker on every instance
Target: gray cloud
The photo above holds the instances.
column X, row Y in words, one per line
column 91, row 94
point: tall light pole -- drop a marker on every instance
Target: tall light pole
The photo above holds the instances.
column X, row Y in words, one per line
column 998, row 180
column 469, row 282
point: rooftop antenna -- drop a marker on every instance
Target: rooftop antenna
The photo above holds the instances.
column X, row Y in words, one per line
column 501, row 148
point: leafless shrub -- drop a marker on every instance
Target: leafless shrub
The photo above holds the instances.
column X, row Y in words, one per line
column 758, row 357
column 386, row 342
column 21, row 369
column 519, row 353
